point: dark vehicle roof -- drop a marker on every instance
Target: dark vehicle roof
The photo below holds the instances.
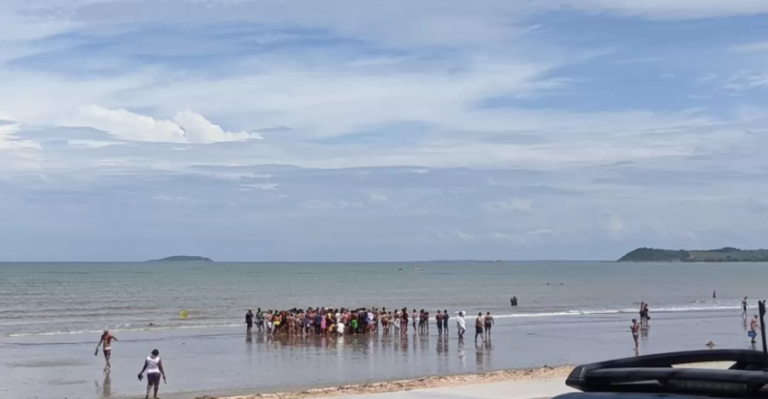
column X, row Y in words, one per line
column 654, row 376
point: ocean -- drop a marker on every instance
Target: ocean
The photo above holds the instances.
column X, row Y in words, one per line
column 51, row 315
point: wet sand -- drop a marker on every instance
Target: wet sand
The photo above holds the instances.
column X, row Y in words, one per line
column 226, row 362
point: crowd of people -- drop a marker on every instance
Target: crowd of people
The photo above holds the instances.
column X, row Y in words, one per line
column 342, row 321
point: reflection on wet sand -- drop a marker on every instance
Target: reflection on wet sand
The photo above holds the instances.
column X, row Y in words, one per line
column 105, row 389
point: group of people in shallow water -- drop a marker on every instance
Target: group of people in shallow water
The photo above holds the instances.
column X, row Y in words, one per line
column 342, row 321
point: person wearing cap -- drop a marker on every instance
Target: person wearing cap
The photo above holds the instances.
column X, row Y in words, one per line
column 154, row 368
column 106, row 340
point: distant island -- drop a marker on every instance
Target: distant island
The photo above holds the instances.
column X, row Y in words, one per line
column 183, row 258
column 727, row 254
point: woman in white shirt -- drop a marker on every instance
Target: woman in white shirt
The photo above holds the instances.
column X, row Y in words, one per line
column 154, row 368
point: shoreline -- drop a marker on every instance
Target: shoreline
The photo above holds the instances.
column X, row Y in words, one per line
column 403, row 385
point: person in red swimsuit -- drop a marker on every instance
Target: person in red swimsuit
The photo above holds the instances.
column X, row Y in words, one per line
column 106, row 340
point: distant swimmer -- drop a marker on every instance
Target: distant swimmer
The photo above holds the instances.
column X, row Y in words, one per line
column 479, row 327
column 635, row 329
column 714, row 294
column 489, row 322
column 154, row 368
column 754, row 325
column 249, row 320
column 513, row 301
column 106, row 341
column 744, row 307
column 461, row 325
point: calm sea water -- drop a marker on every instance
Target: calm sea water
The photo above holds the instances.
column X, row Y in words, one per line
column 73, row 298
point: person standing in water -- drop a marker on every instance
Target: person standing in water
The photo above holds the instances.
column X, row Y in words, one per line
column 439, row 322
column 445, row 321
column 754, row 326
column 744, row 307
column 106, row 340
column 249, row 320
column 635, row 329
column 461, row 325
column 479, row 327
column 489, row 322
column 714, row 294
column 154, row 368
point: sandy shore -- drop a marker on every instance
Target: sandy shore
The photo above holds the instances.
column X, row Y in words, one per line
column 416, row 383
column 543, row 373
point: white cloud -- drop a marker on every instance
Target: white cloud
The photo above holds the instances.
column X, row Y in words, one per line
column 186, row 127
column 670, row 9
column 757, row 47
column 513, row 205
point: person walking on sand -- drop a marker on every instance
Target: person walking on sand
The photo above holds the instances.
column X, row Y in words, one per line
column 635, row 329
column 461, row 325
column 154, row 368
column 106, row 340
column 489, row 322
column 754, row 326
column 744, row 307
column 479, row 327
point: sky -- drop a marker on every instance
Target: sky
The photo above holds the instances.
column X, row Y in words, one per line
column 347, row 130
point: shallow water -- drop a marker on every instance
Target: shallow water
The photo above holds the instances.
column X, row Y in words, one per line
column 71, row 298
column 50, row 316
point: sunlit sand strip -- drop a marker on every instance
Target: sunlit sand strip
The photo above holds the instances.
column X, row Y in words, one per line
column 556, row 374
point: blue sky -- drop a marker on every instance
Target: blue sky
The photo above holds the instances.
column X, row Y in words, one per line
column 381, row 130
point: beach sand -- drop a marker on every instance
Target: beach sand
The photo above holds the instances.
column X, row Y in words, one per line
column 556, row 374
column 548, row 379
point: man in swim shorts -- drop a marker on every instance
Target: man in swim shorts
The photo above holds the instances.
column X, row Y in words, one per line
column 106, row 340
column 754, row 325
column 489, row 322
column 479, row 326
column 259, row 320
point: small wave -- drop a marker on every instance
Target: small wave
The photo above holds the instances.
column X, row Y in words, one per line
column 611, row 311
column 563, row 313
column 126, row 329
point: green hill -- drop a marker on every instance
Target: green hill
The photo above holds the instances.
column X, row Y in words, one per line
column 726, row 254
column 183, row 258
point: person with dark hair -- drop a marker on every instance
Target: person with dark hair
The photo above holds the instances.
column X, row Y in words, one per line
column 445, row 321
column 479, row 327
column 106, row 340
column 249, row 320
column 489, row 322
column 154, row 368
column 635, row 330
